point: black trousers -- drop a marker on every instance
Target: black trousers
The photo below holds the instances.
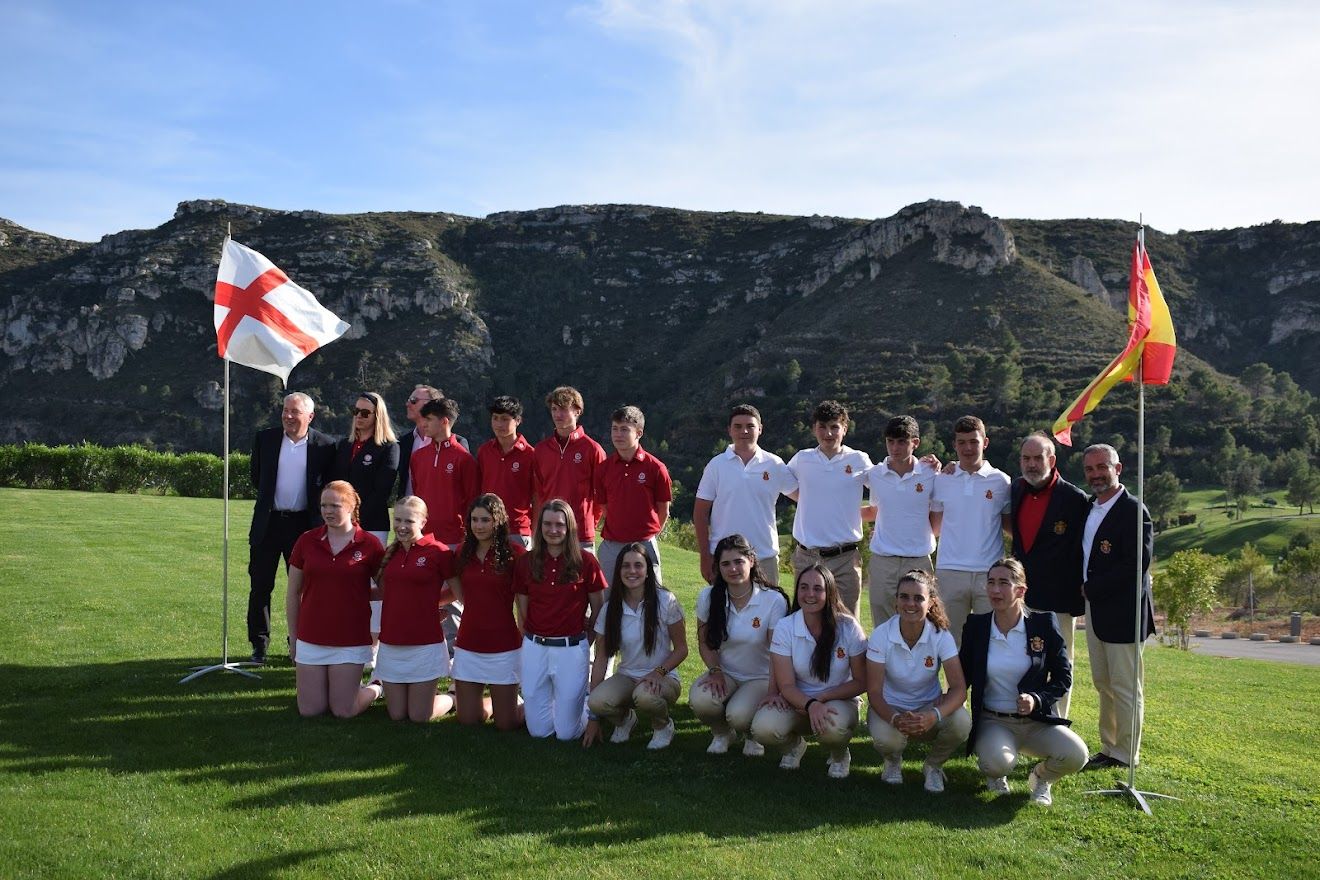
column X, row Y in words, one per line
column 282, row 531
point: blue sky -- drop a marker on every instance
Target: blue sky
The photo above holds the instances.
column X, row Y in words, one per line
column 1198, row 114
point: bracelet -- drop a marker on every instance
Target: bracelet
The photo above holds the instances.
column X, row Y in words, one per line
column 891, row 719
column 661, row 671
column 713, row 670
column 807, row 704
column 939, row 716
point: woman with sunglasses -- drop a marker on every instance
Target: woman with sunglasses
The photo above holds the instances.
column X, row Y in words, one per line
column 368, row 459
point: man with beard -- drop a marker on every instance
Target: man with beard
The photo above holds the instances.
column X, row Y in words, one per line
column 1048, row 515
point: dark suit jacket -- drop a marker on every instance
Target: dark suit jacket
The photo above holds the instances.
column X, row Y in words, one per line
column 1047, row 679
column 1054, row 565
column 372, row 474
column 266, row 460
column 1111, row 574
column 405, row 456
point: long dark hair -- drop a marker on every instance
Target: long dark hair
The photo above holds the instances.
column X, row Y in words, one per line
column 499, row 541
column 717, row 621
column 823, row 654
column 934, row 607
column 572, row 550
column 614, row 604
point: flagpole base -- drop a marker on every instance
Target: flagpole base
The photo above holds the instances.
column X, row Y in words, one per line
column 234, row 666
column 1138, row 796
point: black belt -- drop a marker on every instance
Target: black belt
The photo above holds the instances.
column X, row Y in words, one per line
column 557, row 641
column 289, row 512
column 1003, row 714
column 836, row 550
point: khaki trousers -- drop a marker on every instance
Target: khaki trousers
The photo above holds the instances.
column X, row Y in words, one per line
column 779, row 728
column 1114, row 670
column 963, row 593
column 735, row 711
column 769, row 568
column 615, row 696
column 944, row 737
column 883, row 573
column 847, row 571
column 999, row 741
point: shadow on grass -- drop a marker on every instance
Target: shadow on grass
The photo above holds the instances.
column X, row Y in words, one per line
column 134, row 718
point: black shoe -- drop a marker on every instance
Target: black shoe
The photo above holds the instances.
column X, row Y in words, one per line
column 1100, row 761
column 259, row 658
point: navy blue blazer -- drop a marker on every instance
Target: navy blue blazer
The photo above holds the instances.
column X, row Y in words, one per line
column 1111, row 574
column 265, row 462
column 1047, row 679
column 372, row 474
column 1054, row 563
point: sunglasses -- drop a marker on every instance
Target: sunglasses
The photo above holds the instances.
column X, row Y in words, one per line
column 419, row 400
column 363, row 413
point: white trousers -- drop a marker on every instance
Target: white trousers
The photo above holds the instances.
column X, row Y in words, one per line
column 554, row 687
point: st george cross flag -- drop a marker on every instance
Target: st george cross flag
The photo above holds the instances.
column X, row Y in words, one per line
column 1151, row 344
column 262, row 319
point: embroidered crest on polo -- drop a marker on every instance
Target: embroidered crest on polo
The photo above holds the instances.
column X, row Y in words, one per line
column 930, row 662
column 756, row 623
column 577, row 458
column 1060, row 527
column 1106, row 547
column 421, row 562
column 920, row 487
column 449, row 467
column 516, row 466
column 641, row 477
column 357, row 555
column 1037, row 644
column 847, row 469
column 989, row 494
column 838, row 652
column 765, row 475
column 366, row 459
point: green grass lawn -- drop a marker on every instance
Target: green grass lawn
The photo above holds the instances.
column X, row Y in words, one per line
column 108, row 768
column 1269, row 527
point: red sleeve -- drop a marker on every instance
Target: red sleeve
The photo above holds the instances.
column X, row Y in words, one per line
column 448, row 563
column 592, row 574
column 297, row 559
column 522, row 575
column 598, row 482
column 471, row 483
column 665, row 490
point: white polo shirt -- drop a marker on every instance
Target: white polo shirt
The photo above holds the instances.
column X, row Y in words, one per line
column 829, row 506
column 1006, row 662
column 793, row 639
column 634, row 662
column 1094, row 517
column 912, row 675
column 971, row 536
column 291, row 475
column 902, row 518
column 745, row 652
column 743, row 497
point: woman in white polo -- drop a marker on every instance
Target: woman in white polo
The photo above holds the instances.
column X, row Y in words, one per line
column 735, row 616
column 818, row 660
column 643, row 623
column 903, row 662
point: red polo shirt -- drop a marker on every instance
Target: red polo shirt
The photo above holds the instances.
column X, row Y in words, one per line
column 555, row 609
column 335, row 606
column 413, row 582
column 444, row 475
column 512, row 476
column 488, row 625
column 630, row 491
column 1031, row 510
column 568, row 471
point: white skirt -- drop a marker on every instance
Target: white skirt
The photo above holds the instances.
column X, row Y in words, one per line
column 308, row 654
column 375, row 616
column 407, row 664
column 497, row 668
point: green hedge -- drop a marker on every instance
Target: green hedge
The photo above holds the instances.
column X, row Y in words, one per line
column 88, row 468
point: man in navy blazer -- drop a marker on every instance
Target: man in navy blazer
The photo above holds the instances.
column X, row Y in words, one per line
column 290, row 465
column 1048, row 515
column 1110, row 555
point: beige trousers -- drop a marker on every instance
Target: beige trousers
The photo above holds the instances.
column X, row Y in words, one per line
column 780, row 728
column 1000, row 740
column 769, row 568
column 735, row 711
column 1114, row 669
column 616, row 695
column 962, row 592
column 847, row 571
column 883, row 573
column 944, row 737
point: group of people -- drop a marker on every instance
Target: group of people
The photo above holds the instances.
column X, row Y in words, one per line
column 494, row 579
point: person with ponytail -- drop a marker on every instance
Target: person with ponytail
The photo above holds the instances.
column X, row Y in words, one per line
column 488, row 650
column 736, row 616
column 413, row 656
column 903, row 661
column 643, row 623
column 328, row 608
column 818, row 661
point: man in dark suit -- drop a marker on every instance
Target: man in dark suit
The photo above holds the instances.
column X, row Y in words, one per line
column 1111, row 553
column 1048, row 516
column 289, row 468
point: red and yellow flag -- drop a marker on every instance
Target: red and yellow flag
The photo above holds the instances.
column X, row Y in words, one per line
column 1151, row 345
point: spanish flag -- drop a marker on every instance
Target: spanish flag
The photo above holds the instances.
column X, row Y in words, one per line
column 1151, row 345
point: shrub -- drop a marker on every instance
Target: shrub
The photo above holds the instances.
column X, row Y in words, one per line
column 89, row 468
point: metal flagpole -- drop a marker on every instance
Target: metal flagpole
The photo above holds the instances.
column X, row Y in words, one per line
column 1130, row 787
column 224, row 665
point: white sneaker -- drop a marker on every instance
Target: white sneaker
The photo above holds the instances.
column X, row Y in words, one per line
column 752, row 748
column 934, row 778
column 893, row 772
column 997, row 785
column 1040, row 789
column 719, row 744
column 839, row 769
column 624, row 730
column 793, row 757
column 662, row 737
